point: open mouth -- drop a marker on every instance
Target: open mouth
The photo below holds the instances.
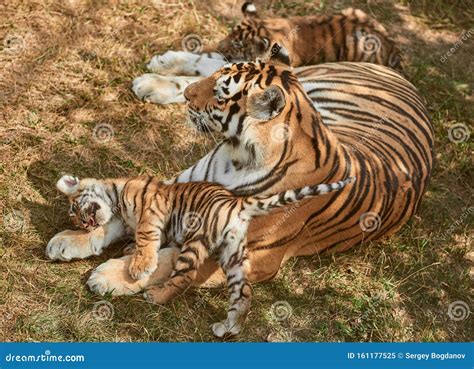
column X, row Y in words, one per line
column 89, row 224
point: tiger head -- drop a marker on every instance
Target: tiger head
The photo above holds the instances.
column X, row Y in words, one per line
column 248, row 40
column 90, row 207
column 247, row 102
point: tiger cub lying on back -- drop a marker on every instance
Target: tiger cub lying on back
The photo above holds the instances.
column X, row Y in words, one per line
column 204, row 219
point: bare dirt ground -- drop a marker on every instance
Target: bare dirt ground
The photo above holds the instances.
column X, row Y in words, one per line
column 65, row 71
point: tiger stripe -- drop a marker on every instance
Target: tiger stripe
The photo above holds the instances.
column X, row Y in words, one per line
column 350, row 35
column 346, row 119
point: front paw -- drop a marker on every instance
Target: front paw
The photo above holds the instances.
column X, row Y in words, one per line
column 158, row 294
column 158, row 89
column 168, row 64
column 225, row 329
column 142, row 264
column 68, row 245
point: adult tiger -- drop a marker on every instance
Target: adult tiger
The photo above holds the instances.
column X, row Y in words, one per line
column 286, row 129
column 350, row 35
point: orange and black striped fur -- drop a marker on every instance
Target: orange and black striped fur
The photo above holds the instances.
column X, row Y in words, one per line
column 338, row 120
column 287, row 128
column 204, row 219
column 350, row 35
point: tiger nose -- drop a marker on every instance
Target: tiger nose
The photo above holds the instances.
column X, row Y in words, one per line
column 190, row 92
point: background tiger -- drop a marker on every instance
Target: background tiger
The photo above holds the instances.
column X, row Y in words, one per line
column 204, row 219
column 350, row 35
column 286, row 129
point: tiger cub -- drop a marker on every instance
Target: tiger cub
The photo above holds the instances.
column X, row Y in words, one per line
column 350, row 35
column 205, row 219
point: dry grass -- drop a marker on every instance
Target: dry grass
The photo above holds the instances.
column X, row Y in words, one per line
column 67, row 66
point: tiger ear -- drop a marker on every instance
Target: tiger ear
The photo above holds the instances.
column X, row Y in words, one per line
column 249, row 10
column 68, row 184
column 279, row 55
column 267, row 104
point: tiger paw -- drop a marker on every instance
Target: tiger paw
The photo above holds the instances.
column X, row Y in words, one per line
column 225, row 329
column 113, row 277
column 170, row 63
column 159, row 89
column 158, row 294
column 143, row 264
column 68, row 245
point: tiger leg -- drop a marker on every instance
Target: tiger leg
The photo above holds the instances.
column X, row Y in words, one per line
column 148, row 238
column 184, row 273
column 234, row 262
column 113, row 276
column 80, row 244
column 163, row 90
column 184, row 63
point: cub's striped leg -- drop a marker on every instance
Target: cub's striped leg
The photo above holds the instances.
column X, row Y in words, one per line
column 145, row 258
column 234, row 262
column 192, row 255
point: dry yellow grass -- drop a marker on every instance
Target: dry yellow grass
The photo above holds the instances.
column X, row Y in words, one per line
column 66, row 67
